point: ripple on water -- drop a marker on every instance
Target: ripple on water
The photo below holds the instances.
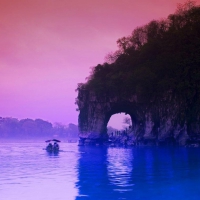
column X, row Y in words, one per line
column 27, row 172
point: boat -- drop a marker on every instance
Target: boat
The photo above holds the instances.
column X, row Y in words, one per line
column 52, row 148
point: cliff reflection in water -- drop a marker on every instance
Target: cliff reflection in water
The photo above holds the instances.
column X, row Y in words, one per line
column 138, row 173
column 92, row 176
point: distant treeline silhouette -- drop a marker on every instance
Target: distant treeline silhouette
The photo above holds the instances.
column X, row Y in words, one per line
column 28, row 128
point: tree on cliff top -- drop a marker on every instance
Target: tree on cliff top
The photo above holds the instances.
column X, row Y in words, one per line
column 161, row 56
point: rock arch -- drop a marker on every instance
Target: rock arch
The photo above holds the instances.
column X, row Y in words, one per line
column 95, row 114
column 152, row 122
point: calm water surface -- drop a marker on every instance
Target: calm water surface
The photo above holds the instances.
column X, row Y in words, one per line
column 28, row 172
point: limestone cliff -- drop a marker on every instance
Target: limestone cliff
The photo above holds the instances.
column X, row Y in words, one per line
column 162, row 121
column 155, row 78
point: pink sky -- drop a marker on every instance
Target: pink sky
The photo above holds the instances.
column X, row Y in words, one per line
column 48, row 46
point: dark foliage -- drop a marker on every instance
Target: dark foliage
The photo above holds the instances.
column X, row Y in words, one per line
column 162, row 56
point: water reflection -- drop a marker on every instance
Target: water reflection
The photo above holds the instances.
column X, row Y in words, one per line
column 138, row 173
column 92, row 175
column 28, row 172
column 104, row 173
column 119, row 168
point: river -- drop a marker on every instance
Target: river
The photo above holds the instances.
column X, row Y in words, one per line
column 27, row 172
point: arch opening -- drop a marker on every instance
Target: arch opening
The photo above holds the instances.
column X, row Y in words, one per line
column 119, row 123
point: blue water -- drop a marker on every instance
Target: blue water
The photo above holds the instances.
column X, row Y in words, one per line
column 28, row 172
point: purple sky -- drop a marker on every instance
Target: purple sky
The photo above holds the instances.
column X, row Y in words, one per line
column 49, row 46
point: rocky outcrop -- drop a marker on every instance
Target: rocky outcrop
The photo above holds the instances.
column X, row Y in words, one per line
column 159, row 121
column 154, row 76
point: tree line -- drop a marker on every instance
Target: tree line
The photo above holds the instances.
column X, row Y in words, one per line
column 14, row 128
column 160, row 56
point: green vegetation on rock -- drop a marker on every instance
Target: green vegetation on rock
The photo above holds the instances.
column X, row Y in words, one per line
column 154, row 76
column 163, row 55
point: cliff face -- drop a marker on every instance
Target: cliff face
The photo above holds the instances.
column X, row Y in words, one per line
column 158, row 122
column 154, row 77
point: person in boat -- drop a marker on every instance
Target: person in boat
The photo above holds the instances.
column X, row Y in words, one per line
column 55, row 146
column 50, row 147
